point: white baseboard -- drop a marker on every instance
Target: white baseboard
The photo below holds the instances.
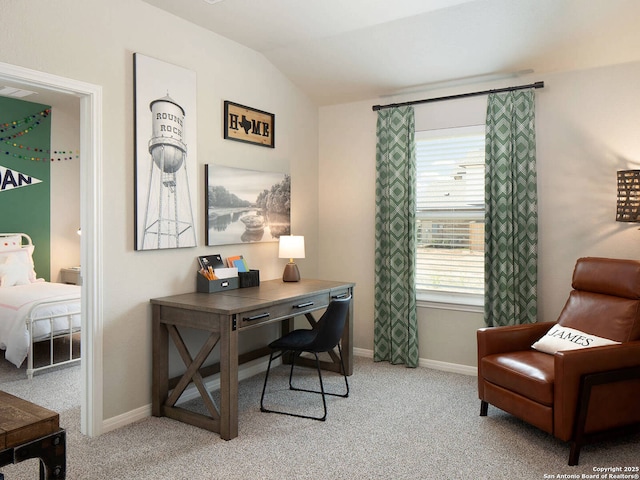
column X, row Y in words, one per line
column 449, row 367
column 361, row 352
column 249, row 369
column 258, row 367
column 131, row 416
column 423, row 362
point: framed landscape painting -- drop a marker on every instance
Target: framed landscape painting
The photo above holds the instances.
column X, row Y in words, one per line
column 246, row 206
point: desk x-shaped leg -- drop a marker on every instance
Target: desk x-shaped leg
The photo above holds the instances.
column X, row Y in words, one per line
column 192, row 374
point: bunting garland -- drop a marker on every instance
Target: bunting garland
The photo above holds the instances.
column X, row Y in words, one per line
column 19, row 128
column 66, row 155
column 9, row 126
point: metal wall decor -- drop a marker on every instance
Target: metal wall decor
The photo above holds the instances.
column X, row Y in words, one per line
column 628, row 208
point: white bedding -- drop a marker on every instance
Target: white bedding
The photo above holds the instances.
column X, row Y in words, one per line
column 15, row 304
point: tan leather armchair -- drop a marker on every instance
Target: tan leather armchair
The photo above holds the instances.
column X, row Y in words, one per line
column 576, row 395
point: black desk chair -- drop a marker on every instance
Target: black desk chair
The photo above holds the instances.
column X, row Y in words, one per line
column 324, row 337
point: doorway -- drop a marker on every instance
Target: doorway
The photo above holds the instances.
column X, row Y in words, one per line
column 90, row 222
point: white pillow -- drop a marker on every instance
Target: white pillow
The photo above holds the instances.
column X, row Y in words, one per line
column 14, row 272
column 24, row 256
column 564, row 338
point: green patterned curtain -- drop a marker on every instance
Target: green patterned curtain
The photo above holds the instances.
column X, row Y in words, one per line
column 395, row 318
column 511, row 219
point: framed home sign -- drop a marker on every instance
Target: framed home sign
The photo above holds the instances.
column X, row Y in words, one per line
column 249, row 125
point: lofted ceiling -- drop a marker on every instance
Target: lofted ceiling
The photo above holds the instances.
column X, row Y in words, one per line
column 339, row 51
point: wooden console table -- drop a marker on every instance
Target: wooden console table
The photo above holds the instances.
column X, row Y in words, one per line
column 29, row 431
column 223, row 315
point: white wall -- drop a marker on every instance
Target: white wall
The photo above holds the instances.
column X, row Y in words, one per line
column 94, row 42
column 65, row 186
column 586, row 123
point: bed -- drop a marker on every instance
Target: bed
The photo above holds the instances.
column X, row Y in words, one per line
column 33, row 311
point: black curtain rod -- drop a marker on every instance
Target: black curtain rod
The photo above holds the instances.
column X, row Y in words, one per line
column 462, row 95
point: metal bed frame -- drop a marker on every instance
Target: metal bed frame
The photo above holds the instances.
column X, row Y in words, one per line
column 33, row 318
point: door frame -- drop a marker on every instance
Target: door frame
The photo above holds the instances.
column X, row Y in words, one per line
column 91, row 224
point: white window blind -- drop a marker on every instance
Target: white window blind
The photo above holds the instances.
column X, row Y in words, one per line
column 450, row 211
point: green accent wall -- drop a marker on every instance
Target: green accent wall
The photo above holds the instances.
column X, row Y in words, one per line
column 27, row 209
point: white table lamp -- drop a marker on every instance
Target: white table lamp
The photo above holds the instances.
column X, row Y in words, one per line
column 291, row 246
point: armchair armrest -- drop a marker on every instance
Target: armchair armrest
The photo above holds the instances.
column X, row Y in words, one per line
column 514, row 338
column 571, row 365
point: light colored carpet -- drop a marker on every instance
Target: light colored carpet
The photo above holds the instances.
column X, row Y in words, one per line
column 398, row 423
column 57, row 389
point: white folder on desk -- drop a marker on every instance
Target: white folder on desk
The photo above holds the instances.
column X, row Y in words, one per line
column 225, row 272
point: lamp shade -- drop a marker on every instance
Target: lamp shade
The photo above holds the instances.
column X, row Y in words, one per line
column 291, row 246
column 628, row 209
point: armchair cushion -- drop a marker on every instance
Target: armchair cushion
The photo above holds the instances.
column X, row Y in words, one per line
column 606, row 316
column 608, row 276
column 604, row 288
column 563, row 338
column 527, row 372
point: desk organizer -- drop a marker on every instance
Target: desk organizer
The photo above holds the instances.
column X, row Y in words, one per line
column 219, row 285
column 249, row 279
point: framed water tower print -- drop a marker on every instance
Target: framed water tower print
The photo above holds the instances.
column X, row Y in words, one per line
column 165, row 153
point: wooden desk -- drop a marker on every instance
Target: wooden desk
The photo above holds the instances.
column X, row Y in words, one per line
column 223, row 315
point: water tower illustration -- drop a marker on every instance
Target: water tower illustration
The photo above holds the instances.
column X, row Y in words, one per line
column 169, row 216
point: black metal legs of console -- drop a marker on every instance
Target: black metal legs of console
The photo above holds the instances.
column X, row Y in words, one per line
column 50, row 450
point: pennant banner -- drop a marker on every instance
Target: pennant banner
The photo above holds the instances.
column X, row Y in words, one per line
column 10, row 179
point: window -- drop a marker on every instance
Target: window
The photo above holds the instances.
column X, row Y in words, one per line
column 450, row 215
